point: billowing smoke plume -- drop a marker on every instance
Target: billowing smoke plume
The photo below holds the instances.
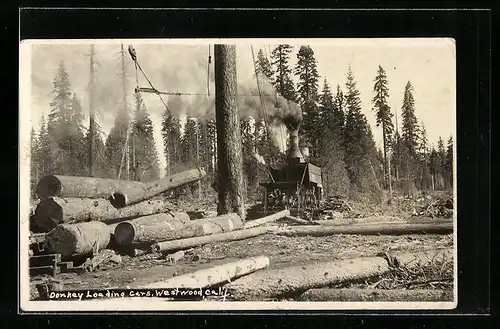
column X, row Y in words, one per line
column 277, row 109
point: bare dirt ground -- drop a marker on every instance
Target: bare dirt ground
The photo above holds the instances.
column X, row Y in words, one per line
column 282, row 251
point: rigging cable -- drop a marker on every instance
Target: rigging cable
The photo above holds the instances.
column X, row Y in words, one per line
column 258, row 88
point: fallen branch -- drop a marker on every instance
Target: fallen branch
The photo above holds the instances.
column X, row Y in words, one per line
column 168, row 246
column 213, row 276
column 376, row 295
column 267, row 219
column 385, row 229
column 121, row 198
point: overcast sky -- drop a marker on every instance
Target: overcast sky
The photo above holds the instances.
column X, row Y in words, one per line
column 181, row 66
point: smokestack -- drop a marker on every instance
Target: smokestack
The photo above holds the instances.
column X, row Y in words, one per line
column 294, row 154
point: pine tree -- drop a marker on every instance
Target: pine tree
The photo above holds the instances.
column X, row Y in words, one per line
column 171, row 135
column 336, row 180
column 282, row 72
column 423, row 157
column 434, row 166
column 384, row 119
column 308, row 76
column 409, row 136
column 441, row 160
column 249, row 161
column 59, row 121
column 449, row 162
column 34, row 174
column 189, row 142
column 359, row 146
column 263, row 66
column 145, row 163
column 115, row 146
column 339, row 109
column 44, row 150
column 77, row 155
column 207, row 145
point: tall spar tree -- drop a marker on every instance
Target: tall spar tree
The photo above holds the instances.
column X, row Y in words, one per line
column 308, row 76
column 145, row 162
column 229, row 157
column 409, row 135
column 384, row 119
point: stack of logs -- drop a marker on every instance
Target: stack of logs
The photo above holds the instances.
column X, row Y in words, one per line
column 82, row 215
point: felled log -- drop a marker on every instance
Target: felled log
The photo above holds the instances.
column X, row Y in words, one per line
column 296, row 279
column 200, row 227
column 368, row 229
column 54, row 211
column 148, row 229
column 213, row 276
column 81, row 187
column 376, row 295
column 267, row 219
column 298, row 220
column 123, row 197
column 168, row 246
column 78, row 239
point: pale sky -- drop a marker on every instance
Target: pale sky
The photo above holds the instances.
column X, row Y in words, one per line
column 181, row 66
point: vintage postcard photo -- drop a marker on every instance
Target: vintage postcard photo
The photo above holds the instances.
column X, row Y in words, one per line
column 237, row 174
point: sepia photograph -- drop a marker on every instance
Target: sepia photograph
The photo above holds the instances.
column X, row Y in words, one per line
column 237, row 174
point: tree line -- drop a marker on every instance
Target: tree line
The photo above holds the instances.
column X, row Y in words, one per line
column 334, row 129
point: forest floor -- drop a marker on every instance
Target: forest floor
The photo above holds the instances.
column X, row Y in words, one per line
column 282, row 251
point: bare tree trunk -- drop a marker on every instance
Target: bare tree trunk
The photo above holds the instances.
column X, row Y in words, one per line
column 230, row 166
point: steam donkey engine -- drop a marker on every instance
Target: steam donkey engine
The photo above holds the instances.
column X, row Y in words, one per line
column 295, row 184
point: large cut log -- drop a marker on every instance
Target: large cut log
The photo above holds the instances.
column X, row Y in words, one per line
column 296, row 279
column 213, row 276
column 368, row 229
column 82, row 187
column 168, row 246
column 376, row 295
column 150, row 228
column 78, row 239
column 144, row 232
column 123, row 197
column 267, row 219
column 54, row 211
